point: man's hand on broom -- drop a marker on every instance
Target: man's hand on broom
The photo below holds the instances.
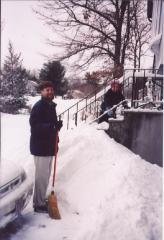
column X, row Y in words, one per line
column 59, row 124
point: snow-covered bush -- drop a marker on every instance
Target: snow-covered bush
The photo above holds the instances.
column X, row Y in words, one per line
column 10, row 104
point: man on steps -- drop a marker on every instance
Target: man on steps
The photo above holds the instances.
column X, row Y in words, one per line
column 112, row 97
column 44, row 124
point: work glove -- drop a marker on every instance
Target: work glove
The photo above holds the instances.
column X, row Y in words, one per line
column 110, row 113
column 59, row 124
column 126, row 107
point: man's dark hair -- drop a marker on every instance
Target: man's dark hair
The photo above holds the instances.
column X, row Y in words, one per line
column 45, row 84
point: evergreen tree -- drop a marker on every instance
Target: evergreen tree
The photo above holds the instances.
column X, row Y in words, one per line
column 54, row 72
column 13, row 82
column 32, row 76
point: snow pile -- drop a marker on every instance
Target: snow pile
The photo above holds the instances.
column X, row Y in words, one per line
column 116, row 193
column 104, row 190
column 62, row 105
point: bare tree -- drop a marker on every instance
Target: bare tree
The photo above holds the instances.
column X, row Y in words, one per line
column 91, row 29
column 140, row 34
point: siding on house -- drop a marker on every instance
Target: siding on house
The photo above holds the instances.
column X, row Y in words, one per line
column 156, row 44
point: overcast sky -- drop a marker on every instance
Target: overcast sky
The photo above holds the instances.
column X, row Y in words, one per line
column 28, row 34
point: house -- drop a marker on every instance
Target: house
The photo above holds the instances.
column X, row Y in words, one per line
column 142, row 129
column 135, row 85
column 32, row 87
column 155, row 14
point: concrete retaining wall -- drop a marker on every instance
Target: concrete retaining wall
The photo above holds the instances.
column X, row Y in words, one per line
column 142, row 132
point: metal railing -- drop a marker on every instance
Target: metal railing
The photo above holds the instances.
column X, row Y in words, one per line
column 133, row 87
column 84, row 105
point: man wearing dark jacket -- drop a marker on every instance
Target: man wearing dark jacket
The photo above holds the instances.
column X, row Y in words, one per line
column 112, row 97
column 44, row 124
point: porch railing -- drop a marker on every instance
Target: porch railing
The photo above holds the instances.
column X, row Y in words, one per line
column 136, row 85
column 134, row 88
column 84, row 106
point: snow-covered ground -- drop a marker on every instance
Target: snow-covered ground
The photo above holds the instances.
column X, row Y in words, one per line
column 104, row 190
column 62, row 105
column 69, row 103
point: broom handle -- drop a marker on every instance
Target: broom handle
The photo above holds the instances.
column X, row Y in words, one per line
column 56, row 148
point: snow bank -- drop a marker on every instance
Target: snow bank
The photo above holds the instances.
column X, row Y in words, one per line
column 62, row 105
column 104, row 190
column 116, row 193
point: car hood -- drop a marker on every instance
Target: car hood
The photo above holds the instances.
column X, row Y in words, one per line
column 8, row 172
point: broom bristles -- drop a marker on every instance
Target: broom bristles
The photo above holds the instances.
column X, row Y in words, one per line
column 53, row 206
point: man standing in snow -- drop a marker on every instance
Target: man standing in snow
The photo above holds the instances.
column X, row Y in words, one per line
column 44, row 123
column 112, row 97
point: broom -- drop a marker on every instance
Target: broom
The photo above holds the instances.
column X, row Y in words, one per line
column 53, row 210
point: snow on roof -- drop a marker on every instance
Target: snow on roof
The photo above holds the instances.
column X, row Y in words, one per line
column 33, row 83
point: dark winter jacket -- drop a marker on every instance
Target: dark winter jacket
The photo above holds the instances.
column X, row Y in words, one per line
column 43, row 121
column 111, row 98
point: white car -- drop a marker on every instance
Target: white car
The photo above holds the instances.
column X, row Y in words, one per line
column 16, row 189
